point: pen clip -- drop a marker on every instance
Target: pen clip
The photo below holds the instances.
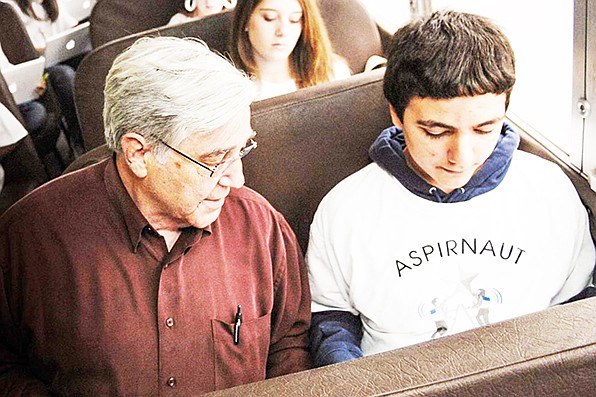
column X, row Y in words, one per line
column 237, row 323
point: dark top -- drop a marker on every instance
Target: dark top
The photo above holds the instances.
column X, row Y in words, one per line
column 92, row 302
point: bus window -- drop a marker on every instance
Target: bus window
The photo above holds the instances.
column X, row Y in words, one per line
column 389, row 14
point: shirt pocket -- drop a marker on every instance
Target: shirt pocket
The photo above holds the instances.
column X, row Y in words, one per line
column 245, row 362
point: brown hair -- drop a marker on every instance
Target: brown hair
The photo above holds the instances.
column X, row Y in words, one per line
column 311, row 61
column 447, row 55
column 50, row 6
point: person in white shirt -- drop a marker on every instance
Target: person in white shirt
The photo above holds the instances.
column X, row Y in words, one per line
column 44, row 19
column 197, row 9
column 33, row 112
column 284, row 45
column 11, row 132
column 450, row 227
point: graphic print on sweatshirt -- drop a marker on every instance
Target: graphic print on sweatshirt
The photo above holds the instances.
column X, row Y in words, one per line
column 467, row 306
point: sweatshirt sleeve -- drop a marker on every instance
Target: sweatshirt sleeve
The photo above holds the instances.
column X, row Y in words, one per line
column 328, row 268
column 335, row 337
column 336, row 329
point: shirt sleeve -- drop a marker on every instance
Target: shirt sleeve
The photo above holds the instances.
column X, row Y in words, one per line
column 291, row 315
column 15, row 378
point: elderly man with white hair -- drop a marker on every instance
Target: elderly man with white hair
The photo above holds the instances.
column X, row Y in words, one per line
column 161, row 274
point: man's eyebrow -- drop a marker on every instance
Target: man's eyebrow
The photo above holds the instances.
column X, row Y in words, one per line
column 215, row 153
column 433, row 123
column 223, row 151
column 489, row 122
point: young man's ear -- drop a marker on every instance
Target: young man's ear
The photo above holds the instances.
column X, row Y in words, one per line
column 134, row 148
column 395, row 118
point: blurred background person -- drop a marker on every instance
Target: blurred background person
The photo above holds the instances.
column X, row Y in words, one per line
column 34, row 113
column 197, row 9
column 284, row 45
column 44, row 19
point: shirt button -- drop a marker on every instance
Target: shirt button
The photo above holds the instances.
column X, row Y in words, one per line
column 171, row 381
column 170, row 322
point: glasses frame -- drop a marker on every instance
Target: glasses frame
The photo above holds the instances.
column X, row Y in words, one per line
column 252, row 144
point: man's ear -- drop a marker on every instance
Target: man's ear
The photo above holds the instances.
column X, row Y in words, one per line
column 395, row 118
column 134, row 149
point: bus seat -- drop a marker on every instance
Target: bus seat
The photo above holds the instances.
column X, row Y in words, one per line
column 112, row 19
column 305, row 157
column 22, row 167
column 551, row 353
column 14, row 38
column 353, row 32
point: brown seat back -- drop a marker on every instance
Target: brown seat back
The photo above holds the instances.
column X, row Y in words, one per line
column 353, row 33
column 14, row 38
column 112, row 19
column 310, row 140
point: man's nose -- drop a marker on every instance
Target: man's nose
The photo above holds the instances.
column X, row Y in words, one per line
column 233, row 176
column 461, row 150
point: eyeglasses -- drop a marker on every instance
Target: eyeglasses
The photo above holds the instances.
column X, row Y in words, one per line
column 221, row 166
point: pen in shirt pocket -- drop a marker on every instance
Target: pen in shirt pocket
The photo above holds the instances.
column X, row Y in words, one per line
column 237, row 324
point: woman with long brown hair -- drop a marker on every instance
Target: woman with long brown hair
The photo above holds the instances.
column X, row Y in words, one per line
column 284, row 44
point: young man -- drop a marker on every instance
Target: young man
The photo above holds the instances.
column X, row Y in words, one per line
column 160, row 274
column 450, row 227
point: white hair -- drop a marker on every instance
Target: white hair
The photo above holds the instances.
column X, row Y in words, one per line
column 167, row 88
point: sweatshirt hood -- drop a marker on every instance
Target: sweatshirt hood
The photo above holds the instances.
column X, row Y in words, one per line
column 388, row 152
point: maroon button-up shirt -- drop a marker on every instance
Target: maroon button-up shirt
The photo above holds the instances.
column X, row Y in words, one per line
column 92, row 303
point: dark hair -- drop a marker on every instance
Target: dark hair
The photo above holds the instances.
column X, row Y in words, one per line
column 448, row 54
column 312, row 58
column 50, row 6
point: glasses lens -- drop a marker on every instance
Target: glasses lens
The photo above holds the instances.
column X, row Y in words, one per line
column 246, row 150
column 221, row 167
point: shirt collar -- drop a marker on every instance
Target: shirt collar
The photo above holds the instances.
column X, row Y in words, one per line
column 133, row 220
